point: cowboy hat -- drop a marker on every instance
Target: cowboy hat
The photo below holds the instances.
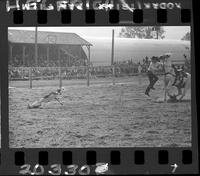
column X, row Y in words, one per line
column 165, row 56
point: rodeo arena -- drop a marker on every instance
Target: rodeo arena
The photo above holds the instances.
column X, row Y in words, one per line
column 66, row 90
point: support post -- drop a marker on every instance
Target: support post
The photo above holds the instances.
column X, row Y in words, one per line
column 112, row 56
column 165, row 94
column 88, row 67
column 60, row 69
column 11, row 52
column 157, row 34
column 23, row 54
column 48, row 54
column 36, row 47
column 80, row 52
column 113, row 72
column 30, row 77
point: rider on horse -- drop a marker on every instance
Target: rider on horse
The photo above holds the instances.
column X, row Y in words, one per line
column 174, row 78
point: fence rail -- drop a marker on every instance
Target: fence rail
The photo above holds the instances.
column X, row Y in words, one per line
column 75, row 72
column 16, row 73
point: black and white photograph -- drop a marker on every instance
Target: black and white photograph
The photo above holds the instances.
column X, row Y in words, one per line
column 0, row 111
column 82, row 87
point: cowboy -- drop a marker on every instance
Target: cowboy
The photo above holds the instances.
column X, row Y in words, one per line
column 46, row 99
column 151, row 73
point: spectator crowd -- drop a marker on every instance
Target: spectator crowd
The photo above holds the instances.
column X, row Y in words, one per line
column 78, row 69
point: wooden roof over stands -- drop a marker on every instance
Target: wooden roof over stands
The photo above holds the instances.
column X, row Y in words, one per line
column 24, row 36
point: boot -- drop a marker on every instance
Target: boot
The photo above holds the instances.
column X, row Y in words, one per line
column 152, row 86
column 147, row 91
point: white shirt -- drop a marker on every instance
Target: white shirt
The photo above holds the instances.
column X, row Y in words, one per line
column 168, row 66
column 153, row 67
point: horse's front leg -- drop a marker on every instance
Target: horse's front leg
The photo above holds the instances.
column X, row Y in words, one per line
column 179, row 91
column 182, row 95
column 168, row 87
column 186, row 88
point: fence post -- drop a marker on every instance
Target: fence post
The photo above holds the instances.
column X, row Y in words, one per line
column 60, row 77
column 113, row 70
column 30, row 77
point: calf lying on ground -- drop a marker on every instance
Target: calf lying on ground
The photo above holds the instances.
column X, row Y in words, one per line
column 46, row 99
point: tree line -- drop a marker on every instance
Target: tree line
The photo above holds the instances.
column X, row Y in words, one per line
column 146, row 32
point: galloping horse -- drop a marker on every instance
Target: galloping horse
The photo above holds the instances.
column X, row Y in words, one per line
column 175, row 79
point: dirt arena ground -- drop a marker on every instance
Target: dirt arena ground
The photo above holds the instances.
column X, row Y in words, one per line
column 101, row 115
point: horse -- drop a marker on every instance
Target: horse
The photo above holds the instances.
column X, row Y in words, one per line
column 182, row 82
column 175, row 79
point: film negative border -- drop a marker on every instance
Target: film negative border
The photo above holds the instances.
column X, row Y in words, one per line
column 130, row 160
column 164, row 13
column 92, row 17
column 118, row 161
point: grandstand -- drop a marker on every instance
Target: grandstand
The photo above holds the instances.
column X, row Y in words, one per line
column 51, row 46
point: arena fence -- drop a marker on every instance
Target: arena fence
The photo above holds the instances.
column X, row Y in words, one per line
column 68, row 73
column 75, row 72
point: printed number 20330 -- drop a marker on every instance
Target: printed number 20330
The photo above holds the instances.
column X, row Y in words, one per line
column 55, row 169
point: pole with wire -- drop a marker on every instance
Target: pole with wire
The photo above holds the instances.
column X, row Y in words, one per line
column 112, row 56
column 60, row 67
column 88, row 66
column 36, row 57
column 165, row 94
